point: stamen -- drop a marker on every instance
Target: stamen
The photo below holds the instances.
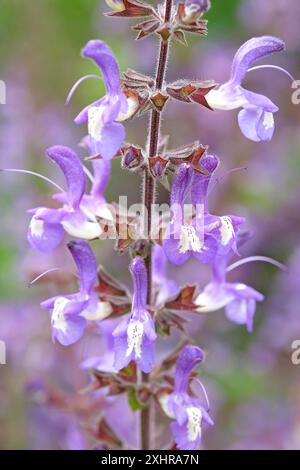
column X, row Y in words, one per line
column 88, row 174
column 33, row 173
column 276, row 67
column 198, row 381
column 48, row 272
column 264, row 259
column 76, row 85
column 221, row 178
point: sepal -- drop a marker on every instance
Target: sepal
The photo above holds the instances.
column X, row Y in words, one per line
column 185, row 300
column 157, row 166
column 190, row 23
column 132, row 157
column 146, row 28
column 133, row 8
column 191, row 91
column 191, row 154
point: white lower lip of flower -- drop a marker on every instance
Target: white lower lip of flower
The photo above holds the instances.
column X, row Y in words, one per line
column 58, row 320
column 163, row 401
column 226, row 230
column 37, row 227
column 116, row 5
column 268, row 121
column 131, row 110
column 194, row 423
column 217, row 99
column 102, row 311
column 86, row 230
column 210, row 303
column 104, row 213
column 95, row 122
column 135, row 333
column 189, row 240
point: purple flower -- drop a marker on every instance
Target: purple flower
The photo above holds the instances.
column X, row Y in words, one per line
column 69, row 313
column 106, row 135
column 47, row 226
column 203, row 235
column 238, row 299
column 135, row 335
column 256, row 119
column 166, row 287
column 187, row 411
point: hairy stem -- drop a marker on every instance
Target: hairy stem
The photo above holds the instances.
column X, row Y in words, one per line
column 149, row 199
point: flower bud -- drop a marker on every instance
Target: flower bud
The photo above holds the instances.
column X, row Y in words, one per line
column 157, row 166
column 117, row 5
column 194, row 9
column 132, row 157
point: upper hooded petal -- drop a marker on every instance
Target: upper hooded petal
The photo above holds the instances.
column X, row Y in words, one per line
column 201, row 182
column 86, row 264
column 140, row 286
column 72, row 169
column 251, row 51
column 102, row 55
column 189, row 358
column 181, row 184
